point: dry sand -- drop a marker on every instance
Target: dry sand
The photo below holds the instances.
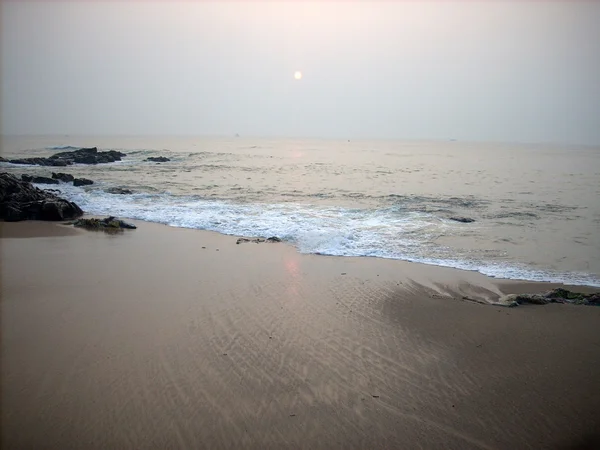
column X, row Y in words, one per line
column 148, row 340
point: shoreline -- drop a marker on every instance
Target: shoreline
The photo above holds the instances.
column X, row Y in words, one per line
column 164, row 336
column 508, row 257
column 33, row 229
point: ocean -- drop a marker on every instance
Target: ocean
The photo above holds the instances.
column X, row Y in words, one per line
column 535, row 206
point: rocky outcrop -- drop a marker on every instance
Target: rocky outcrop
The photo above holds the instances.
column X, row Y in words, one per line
column 107, row 224
column 56, row 177
column 20, row 200
column 65, row 177
column 558, row 295
column 39, row 180
column 119, row 191
column 462, row 219
column 157, row 159
column 81, row 156
column 39, row 162
column 272, row 239
column 82, row 182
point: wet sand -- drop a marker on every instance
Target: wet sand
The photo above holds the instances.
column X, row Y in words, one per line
column 148, row 340
column 34, row 228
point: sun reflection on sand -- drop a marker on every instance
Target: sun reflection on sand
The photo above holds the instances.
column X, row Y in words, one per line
column 295, row 277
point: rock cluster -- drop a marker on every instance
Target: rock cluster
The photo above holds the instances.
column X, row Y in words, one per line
column 56, row 177
column 20, row 200
column 81, row 156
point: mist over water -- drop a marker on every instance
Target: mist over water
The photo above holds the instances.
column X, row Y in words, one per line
column 535, row 206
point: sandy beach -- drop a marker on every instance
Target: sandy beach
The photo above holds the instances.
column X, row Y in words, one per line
column 174, row 338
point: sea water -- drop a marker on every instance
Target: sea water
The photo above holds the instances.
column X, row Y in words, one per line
column 535, row 206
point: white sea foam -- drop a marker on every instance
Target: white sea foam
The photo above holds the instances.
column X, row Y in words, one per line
column 387, row 233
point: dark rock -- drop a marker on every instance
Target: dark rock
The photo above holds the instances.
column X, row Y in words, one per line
column 82, row 182
column 558, row 295
column 86, row 159
column 594, row 299
column 158, row 159
column 66, row 177
column 534, row 299
column 246, row 240
column 116, row 155
column 11, row 213
column 39, row 180
column 75, row 153
column 81, row 156
column 257, row 240
column 2, row 159
column 32, row 161
column 118, row 190
column 462, row 219
column 107, row 224
column 57, row 210
column 20, row 200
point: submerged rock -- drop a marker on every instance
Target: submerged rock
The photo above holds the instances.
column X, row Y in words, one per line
column 462, row 219
column 81, row 156
column 158, row 159
column 118, row 190
column 106, row 224
column 20, row 200
column 558, row 295
column 82, row 182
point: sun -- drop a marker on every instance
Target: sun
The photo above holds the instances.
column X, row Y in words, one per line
column 297, row 75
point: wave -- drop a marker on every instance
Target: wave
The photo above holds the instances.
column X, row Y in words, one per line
column 391, row 232
column 62, row 147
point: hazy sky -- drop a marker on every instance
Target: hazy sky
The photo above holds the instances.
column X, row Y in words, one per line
column 516, row 71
